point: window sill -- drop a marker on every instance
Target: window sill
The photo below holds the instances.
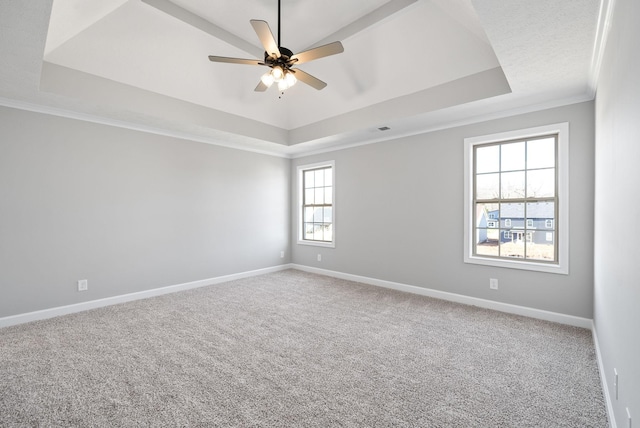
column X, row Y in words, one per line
column 561, row 269
column 317, row 243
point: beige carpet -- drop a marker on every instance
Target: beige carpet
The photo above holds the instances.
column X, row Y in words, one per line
column 293, row 349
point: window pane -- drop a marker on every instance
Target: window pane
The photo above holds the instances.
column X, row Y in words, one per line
column 541, row 153
column 542, row 246
column 518, row 180
column 328, row 232
column 540, row 212
column 319, row 177
column 486, row 213
column 488, row 159
column 512, row 215
column 309, row 179
column 327, row 217
column 514, row 247
column 541, row 183
column 328, row 195
column 512, row 156
column 486, row 246
column 308, row 215
column 512, row 185
column 309, row 197
column 308, row 231
column 317, row 210
column 328, row 177
column 487, row 186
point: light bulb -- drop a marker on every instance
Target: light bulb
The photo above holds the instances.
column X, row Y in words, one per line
column 267, row 79
column 278, row 73
column 290, row 78
column 283, row 85
column 287, row 81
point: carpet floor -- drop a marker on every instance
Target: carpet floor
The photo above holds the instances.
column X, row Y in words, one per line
column 294, row 349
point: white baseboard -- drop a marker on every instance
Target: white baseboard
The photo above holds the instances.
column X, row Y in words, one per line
column 99, row 303
column 459, row 298
column 603, row 380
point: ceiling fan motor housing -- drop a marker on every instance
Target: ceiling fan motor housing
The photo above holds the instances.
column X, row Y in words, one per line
column 285, row 56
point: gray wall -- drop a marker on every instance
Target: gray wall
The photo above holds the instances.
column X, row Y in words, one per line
column 617, row 212
column 128, row 211
column 399, row 216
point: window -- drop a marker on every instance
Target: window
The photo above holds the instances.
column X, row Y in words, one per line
column 316, row 195
column 522, row 176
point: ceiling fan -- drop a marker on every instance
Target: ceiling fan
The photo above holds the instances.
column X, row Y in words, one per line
column 281, row 60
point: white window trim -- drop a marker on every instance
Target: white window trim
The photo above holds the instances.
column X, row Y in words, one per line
column 300, row 170
column 562, row 267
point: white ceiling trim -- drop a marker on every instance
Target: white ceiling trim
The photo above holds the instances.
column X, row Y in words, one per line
column 602, row 34
column 102, row 120
column 453, row 124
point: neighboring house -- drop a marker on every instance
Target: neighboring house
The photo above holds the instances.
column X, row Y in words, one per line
column 537, row 227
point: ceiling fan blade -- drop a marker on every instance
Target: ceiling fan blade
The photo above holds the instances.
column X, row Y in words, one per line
column 261, row 87
column 304, row 77
column 266, row 37
column 319, row 52
column 235, row 60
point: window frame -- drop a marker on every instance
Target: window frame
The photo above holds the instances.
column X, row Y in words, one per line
column 300, row 206
column 562, row 188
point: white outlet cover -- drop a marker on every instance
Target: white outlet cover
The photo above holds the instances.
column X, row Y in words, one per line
column 83, row 285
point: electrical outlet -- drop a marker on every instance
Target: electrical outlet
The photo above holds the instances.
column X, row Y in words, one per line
column 493, row 283
column 282, row 254
column 83, row 285
column 615, row 383
column 319, row 257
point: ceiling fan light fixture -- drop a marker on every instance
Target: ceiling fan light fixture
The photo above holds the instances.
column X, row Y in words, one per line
column 277, row 73
column 290, row 78
column 287, row 81
column 267, row 79
column 282, row 85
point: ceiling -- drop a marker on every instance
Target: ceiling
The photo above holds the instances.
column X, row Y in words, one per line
column 409, row 65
